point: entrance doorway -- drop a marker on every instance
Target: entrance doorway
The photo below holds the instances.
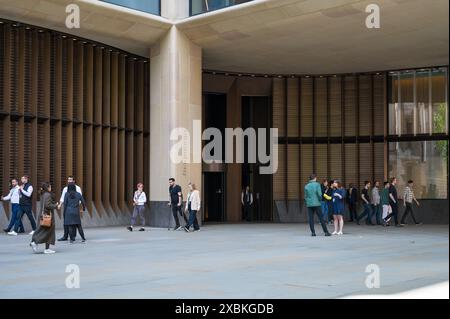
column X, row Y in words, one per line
column 214, row 196
column 214, row 174
column 256, row 113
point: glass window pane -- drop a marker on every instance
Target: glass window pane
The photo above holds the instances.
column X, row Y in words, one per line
column 394, row 109
column 203, row 6
column 150, row 6
column 407, row 103
column 423, row 162
column 423, row 102
column 439, row 101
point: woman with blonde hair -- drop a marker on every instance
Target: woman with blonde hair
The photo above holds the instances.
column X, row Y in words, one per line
column 192, row 206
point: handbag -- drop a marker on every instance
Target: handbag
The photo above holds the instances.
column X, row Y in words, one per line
column 46, row 220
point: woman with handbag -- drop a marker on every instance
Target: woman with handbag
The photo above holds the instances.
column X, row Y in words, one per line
column 45, row 234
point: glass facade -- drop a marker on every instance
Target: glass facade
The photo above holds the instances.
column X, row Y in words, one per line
column 418, row 129
column 424, row 162
column 203, row 6
column 149, row 6
column 418, row 102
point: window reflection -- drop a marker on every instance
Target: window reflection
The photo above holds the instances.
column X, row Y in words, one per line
column 426, row 163
column 418, row 102
column 203, row 6
column 150, row 6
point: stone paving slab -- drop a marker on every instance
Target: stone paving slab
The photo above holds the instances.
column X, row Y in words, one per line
column 228, row 261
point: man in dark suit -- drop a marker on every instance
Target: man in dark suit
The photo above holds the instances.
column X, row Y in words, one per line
column 352, row 201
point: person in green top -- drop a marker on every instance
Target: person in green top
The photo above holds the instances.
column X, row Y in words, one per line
column 384, row 200
column 313, row 198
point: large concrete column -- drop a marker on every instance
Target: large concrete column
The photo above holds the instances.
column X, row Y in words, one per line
column 175, row 102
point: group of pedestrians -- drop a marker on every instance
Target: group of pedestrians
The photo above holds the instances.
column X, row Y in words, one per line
column 21, row 198
column 327, row 202
column 189, row 214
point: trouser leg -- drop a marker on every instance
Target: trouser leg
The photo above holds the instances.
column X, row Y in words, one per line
column 311, row 219
column 134, row 215
column 322, row 222
column 81, row 231
column 175, row 215
column 142, row 215
column 72, row 232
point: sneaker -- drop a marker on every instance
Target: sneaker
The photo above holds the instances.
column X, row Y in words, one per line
column 196, row 230
column 418, row 224
column 62, row 239
column 130, row 228
column 340, row 233
column 334, row 233
column 6, row 230
column 142, row 229
column 83, row 241
column 12, row 233
column 31, row 233
column 403, row 224
column 34, row 246
column 177, row 228
column 49, row 251
column 186, row 229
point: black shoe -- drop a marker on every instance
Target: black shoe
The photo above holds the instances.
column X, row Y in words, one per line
column 142, row 229
column 186, row 229
column 327, row 234
column 130, row 228
column 177, row 228
column 21, row 232
column 6, row 230
column 398, row 225
column 71, row 241
column 357, row 222
column 83, row 240
column 62, row 239
column 313, row 235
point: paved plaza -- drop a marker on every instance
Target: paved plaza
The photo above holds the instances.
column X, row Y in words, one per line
column 228, row 261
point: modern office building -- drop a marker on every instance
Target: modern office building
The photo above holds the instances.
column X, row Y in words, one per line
column 99, row 100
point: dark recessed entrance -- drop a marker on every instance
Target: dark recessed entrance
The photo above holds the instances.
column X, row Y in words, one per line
column 256, row 113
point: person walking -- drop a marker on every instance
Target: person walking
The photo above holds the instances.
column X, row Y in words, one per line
column 139, row 201
column 247, row 202
column 338, row 198
column 25, row 204
column 45, row 234
column 367, row 211
column 70, row 180
column 352, row 201
column 384, row 202
column 313, row 198
column 14, row 198
column 408, row 198
column 175, row 201
column 193, row 207
column 393, row 202
column 72, row 219
column 375, row 200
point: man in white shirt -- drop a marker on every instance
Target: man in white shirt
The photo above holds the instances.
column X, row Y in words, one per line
column 70, row 180
column 14, row 198
column 25, row 205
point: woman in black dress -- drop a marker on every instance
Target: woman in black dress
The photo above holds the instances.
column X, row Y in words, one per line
column 72, row 201
column 45, row 235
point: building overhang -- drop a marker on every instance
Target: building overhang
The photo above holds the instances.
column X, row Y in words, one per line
column 321, row 36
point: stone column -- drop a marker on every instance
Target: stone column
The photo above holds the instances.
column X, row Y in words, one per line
column 175, row 102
